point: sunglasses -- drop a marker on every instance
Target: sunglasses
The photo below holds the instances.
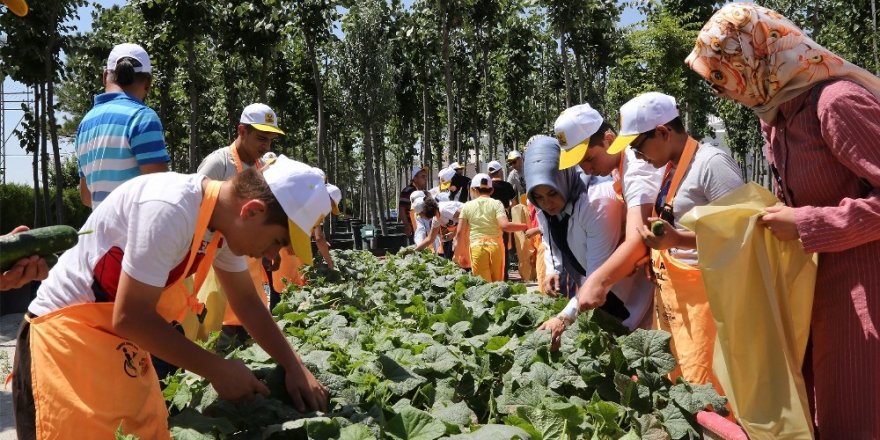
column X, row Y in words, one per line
column 639, row 142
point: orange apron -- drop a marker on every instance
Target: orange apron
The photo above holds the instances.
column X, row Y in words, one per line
column 255, row 265
column 680, row 302
column 87, row 381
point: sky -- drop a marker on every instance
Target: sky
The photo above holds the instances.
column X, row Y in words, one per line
column 18, row 162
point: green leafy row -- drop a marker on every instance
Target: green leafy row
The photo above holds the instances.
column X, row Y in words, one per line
column 412, row 347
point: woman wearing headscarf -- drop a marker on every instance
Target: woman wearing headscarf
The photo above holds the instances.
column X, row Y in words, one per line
column 581, row 219
column 821, row 117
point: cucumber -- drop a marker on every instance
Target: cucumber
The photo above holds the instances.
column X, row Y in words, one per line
column 41, row 241
column 657, row 228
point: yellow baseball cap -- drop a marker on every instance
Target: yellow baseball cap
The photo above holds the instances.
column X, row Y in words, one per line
column 303, row 196
column 643, row 114
column 18, row 7
column 261, row 117
column 573, row 129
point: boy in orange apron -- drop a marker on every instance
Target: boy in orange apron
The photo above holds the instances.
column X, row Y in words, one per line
column 82, row 361
column 694, row 175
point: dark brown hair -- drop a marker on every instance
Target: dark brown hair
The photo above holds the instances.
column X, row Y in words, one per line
column 250, row 185
column 124, row 74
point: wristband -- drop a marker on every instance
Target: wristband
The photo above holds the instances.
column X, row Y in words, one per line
column 570, row 313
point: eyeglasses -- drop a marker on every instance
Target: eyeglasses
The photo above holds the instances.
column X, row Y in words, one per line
column 639, row 142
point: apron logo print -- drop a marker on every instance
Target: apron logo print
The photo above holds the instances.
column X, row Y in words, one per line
column 133, row 365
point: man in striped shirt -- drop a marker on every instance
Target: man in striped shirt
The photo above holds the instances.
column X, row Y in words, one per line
column 120, row 137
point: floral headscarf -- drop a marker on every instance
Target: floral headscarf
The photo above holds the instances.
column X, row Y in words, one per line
column 760, row 59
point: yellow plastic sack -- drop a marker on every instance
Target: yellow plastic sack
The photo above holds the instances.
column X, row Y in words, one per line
column 761, row 293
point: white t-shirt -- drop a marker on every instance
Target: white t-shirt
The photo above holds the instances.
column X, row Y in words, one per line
column 641, row 181
column 712, row 174
column 219, row 165
column 144, row 227
column 424, row 226
column 593, row 235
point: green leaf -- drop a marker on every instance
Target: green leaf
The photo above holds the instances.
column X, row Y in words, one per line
column 676, row 422
column 495, row 432
column 549, row 424
column 356, row 431
column 454, row 413
column 190, row 425
column 414, row 424
column 402, row 379
column 648, row 350
column 695, row 398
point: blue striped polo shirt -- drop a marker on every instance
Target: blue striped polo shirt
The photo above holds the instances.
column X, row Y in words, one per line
column 116, row 136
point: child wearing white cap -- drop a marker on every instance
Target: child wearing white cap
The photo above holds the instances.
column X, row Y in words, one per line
column 478, row 237
column 108, row 302
column 695, row 175
column 120, row 137
column 426, row 220
column 585, row 138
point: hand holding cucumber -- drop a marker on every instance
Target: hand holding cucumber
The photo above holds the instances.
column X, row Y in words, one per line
column 26, row 255
column 22, row 270
column 659, row 234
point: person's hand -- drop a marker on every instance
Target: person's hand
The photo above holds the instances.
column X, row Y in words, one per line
column 234, row 381
column 669, row 239
column 591, row 296
column 25, row 270
column 305, row 391
column 532, row 232
column 551, row 285
column 780, row 221
column 556, row 327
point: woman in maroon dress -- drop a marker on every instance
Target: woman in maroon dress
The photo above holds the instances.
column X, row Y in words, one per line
column 821, row 118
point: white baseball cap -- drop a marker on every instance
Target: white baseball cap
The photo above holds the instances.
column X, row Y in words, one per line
column 455, row 166
column 446, row 175
column 261, row 117
column 416, row 170
column 642, row 114
column 303, row 196
column 513, row 155
column 573, row 129
column 335, row 197
column 415, row 195
column 494, row 166
column 481, row 180
column 18, row 7
column 419, row 205
column 130, row 50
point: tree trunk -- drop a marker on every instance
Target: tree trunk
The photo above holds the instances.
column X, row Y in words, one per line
column 319, row 96
column 426, row 143
column 44, row 155
column 565, row 74
column 232, row 110
column 377, row 176
column 369, row 176
column 477, row 150
column 447, row 73
column 50, row 106
column 580, row 74
column 876, row 36
column 36, row 162
column 193, row 106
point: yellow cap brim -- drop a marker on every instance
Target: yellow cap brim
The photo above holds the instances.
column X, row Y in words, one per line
column 301, row 243
column 269, row 128
column 445, row 185
column 18, row 7
column 573, row 156
column 621, row 142
column 334, row 208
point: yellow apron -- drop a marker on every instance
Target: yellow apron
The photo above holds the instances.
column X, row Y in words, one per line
column 680, row 301
column 87, row 381
column 523, row 245
column 487, row 258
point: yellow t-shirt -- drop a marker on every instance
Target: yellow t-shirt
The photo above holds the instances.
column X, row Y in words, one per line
column 482, row 215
